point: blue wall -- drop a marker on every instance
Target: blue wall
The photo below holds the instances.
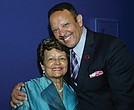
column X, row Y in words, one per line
column 23, row 23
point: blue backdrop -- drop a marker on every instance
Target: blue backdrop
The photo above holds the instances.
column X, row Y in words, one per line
column 23, row 24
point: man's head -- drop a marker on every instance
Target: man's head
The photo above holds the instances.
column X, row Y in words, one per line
column 66, row 24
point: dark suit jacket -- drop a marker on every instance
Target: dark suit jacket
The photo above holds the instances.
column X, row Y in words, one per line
column 114, row 88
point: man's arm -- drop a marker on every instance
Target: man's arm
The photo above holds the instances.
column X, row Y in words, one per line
column 121, row 76
column 17, row 96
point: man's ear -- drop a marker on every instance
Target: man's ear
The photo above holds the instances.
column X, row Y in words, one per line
column 79, row 19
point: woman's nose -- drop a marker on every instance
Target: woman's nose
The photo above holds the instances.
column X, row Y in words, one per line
column 57, row 61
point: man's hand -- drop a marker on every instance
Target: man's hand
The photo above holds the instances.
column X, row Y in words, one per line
column 17, row 96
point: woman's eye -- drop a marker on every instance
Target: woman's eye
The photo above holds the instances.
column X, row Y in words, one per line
column 63, row 58
column 50, row 59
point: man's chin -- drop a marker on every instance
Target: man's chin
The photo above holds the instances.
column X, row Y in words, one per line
column 62, row 42
column 70, row 45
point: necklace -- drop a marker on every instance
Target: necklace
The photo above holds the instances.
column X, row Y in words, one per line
column 60, row 90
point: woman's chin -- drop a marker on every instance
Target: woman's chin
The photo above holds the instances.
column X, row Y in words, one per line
column 57, row 76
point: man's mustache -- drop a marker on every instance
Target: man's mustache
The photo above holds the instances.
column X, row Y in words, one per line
column 65, row 36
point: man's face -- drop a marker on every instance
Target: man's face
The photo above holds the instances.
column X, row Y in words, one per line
column 66, row 29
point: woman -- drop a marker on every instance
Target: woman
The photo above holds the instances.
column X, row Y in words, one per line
column 50, row 92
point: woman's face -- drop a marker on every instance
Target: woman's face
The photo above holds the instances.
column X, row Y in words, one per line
column 55, row 63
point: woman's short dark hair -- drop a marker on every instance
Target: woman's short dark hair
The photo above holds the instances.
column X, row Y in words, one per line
column 48, row 44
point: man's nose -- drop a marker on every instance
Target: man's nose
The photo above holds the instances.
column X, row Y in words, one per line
column 62, row 32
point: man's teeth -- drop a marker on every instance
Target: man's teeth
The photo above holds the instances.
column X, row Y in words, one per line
column 67, row 38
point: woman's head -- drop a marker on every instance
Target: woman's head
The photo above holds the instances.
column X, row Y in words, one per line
column 53, row 58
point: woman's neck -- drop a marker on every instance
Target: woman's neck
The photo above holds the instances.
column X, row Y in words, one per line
column 58, row 83
column 59, row 86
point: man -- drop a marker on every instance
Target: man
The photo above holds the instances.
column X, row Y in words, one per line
column 105, row 79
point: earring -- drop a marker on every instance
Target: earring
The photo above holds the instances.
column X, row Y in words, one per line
column 43, row 70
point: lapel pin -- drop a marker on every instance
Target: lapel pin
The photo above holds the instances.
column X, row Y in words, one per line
column 87, row 57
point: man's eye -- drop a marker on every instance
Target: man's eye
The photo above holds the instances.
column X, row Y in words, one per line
column 66, row 25
column 54, row 30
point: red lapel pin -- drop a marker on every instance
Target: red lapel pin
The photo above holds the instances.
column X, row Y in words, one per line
column 87, row 57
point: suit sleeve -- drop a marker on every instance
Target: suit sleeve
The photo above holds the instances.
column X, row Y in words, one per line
column 120, row 66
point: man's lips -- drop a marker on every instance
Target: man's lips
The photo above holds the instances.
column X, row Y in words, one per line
column 66, row 37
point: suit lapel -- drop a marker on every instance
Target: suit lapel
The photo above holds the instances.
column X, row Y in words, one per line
column 70, row 98
column 51, row 96
column 87, row 57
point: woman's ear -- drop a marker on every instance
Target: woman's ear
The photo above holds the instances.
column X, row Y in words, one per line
column 42, row 66
column 79, row 19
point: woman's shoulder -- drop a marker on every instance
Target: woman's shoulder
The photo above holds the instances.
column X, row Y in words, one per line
column 34, row 80
column 39, row 82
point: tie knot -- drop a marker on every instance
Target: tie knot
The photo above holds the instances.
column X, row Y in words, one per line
column 73, row 52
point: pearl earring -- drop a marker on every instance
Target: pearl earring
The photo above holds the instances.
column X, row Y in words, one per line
column 43, row 70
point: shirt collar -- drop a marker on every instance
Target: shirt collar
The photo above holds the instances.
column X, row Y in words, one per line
column 80, row 46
